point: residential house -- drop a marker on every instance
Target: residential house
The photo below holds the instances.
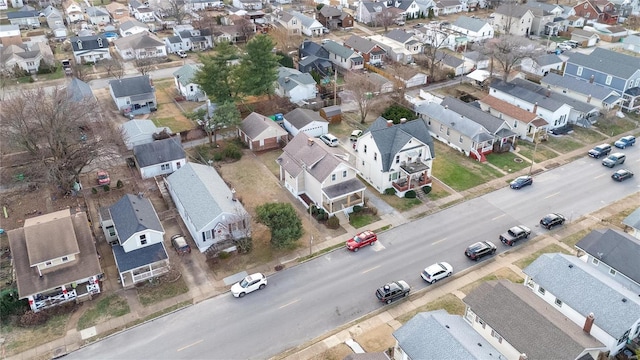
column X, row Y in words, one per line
column 141, row 12
column 590, row 92
column 159, row 157
column 291, row 23
column 410, row 9
column 314, row 56
column 90, row 49
column 210, row 210
column 134, row 95
column 585, row 38
column 333, row 18
column 343, row 56
column 369, row 50
column 477, row 59
column 513, row 19
column 132, row 27
column 381, row 84
column 400, row 46
column 306, row 121
column 369, row 12
column 447, row 7
column 319, row 175
column 54, row 18
column 117, row 11
column 596, row 67
column 55, row 259
column 247, row 4
column 197, row 5
column 25, row 57
column 612, row 34
column 611, row 312
column 600, row 11
column 410, row 76
column 542, row 65
column 309, row 26
column 407, row 39
column 25, row 19
column 184, row 79
column 135, row 233
column 632, row 43
column 449, row 336
column 74, row 12
column 525, row 124
column 522, row 323
column 333, row 114
column 140, row 46
column 476, row 30
column 632, row 223
column 435, row 37
column 613, row 253
column 295, row 85
column 574, row 21
column 80, row 92
column 97, row 15
column 396, row 156
column 10, row 35
column 452, row 63
column 140, row 131
column 16, row 4
column 458, row 132
column 187, row 38
column 261, row 133
column 544, row 22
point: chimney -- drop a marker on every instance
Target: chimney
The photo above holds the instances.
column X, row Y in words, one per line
column 548, row 93
column 403, row 120
column 588, row 323
column 535, row 108
column 523, row 356
column 446, row 107
column 389, row 123
column 591, row 79
column 286, row 79
column 310, row 141
column 589, row 99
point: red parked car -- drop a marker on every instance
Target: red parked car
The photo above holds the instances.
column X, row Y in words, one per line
column 363, row 239
column 103, row 178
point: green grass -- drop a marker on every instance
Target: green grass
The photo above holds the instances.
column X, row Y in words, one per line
column 614, row 125
column 563, row 144
column 573, row 239
column 318, row 253
column 58, row 74
column 553, row 248
column 500, row 274
column 451, row 303
column 543, row 153
column 106, row 308
column 24, row 80
column 358, row 220
column 384, row 228
column 401, row 204
column 507, row 161
column 587, row 136
column 437, row 192
column 458, row 171
column 54, row 328
column 173, row 124
column 150, row 295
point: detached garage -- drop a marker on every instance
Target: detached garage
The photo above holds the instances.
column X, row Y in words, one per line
column 261, row 133
column 307, row 121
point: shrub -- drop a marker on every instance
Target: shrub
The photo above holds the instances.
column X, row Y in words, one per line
column 390, row 191
column 224, row 255
column 319, row 216
column 106, row 188
column 94, row 191
column 119, row 184
column 333, row 223
column 372, row 211
column 410, row 194
column 283, row 221
column 218, row 156
column 244, row 245
column 426, row 189
column 357, row 209
column 10, row 304
column 232, row 151
column 31, row 318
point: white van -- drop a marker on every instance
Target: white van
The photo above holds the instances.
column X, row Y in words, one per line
column 329, row 140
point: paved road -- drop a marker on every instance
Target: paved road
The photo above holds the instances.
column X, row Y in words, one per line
column 308, row 300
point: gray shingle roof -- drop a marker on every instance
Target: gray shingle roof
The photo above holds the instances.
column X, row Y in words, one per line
column 131, row 86
column 633, row 220
column 96, row 11
column 89, row 42
column 360, row 44
column 133, row 214
column 602, row 59
column 570, row 284
column 186, row 74
column 80, row 91
column 584, row 87
column 468, row 23
column 448, row 336
column 450, row 118
column 399, row 35
column 548, row 59
column 254, row 124
column 23, row 14
column 617, row 249
column 526, row 322
column 158, row 152
column 290, row 78
column 318, row 159
column 141, row 40
column 129, row 24
column 448, row 59
column 516, row 11
column 203, row 194
column 560, row 98
column 476, row 114
column 300, row 118
column 306, row 21
column 340, row 50
column 139, row 257
column 330, row 11
column 527, row 95
column 391, row 139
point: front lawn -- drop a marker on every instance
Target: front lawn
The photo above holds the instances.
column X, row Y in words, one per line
column 458, row 171
column 108, row 307
column 614, row 125
column 553, row 248
column 508, row 162
column 401, row 204
column 563, row 144
column 543, row 153
column 500, row 274
column 362, row 219
column 451, row 303
column 159, row 289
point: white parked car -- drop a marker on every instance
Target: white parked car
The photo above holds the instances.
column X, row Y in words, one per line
column 181, row 53
column 249, row 284
column 329, row 140
column 437, row 271
column 564, row 46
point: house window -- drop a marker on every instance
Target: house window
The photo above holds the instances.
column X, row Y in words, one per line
column 595, row 261
column 479, row 321
column 448, row 131
column 165, row 167
column 143, row 239
column 515, row 124
column 344, row 173
column 608, row 80
column 333, row 177
column 612, row 272
column 541, row 290
column 48, row 263
column 461, row 139
column 65, row 258
column 441, row 128
column 579, row 72
column 111, row 230
column 585, row 6
column 365, row 149
column 362, row 162
column 558, row 302
column 496, row 335
column 375, row 156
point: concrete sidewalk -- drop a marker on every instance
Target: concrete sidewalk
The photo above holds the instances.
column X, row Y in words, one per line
column 198, row 292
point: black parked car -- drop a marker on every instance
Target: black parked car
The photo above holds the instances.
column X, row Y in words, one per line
column 521, row 181
column 480, row 249
column 622, row 175
column 551, row 220
column 392, row 291
column 600, row 151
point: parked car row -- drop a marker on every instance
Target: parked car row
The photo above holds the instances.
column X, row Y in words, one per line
column 617, row 158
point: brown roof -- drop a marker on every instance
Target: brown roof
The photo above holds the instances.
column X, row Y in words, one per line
column 85, row 265
column 255, row 124
column 49, row 237
column 509, row 109
column 304, row 152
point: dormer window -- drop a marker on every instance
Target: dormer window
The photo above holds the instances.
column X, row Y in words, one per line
column 80, row 44
column 100, row 42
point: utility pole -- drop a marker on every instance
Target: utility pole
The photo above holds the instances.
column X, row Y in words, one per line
column 535, row 147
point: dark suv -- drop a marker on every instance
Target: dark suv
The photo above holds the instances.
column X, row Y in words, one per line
column 600, row 151
column 480, row 249
column 392, row 291
column 551, row 220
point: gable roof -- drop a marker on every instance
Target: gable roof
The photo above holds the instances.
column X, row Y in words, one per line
column 448, row 59
column 186, row 73
column 569, row 279
column 450, row 118
column 159, row 151
column 548, row 59
column 136, row 85
column 524, row 320
column 330, row 11
column 289, row 78
column 141, row 40
column 89, row 42
column 96, row 11
column 391, row 139
column 527, row 95
column 42, row 245
column 146, row 255
column 340, row 50
column 601, row 59
column 399, row 35
column 488, row 121
column 305, row 153
column 633, row 220
column 454, row 337
column 509, row 109
column 136, row 127
column 469, row 23
column 80, row 91
column 130, row 24
column 203, row 194
column 361, row 44
column 133, row 214
column 255, row 124
column 306, row 21
column 300, row 118
column 558, row 97
column 23, row 14
column 615, row 248
column 580, row 86
column 516, row 11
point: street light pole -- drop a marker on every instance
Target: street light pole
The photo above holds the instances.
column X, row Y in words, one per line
column 535, row 147
column 310, row 235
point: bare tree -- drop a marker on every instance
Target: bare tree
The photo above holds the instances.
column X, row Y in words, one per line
column 206, row 20
column 113, row 67
column 246, row 29
column 507, row 11
column 62, row 133
column 144, row 65
column 385, row 18
column 176, row 10
column 80, row 71
column 362, row 90
column 507, row 51
column 433, row 56
column 284, row 40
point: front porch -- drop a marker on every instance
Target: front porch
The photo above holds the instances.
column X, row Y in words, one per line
column 343, row 196
column 141, row 264
column 75, row 291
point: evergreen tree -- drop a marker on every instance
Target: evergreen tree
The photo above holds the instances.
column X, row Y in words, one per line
column 259, row 68
column 217, row 77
